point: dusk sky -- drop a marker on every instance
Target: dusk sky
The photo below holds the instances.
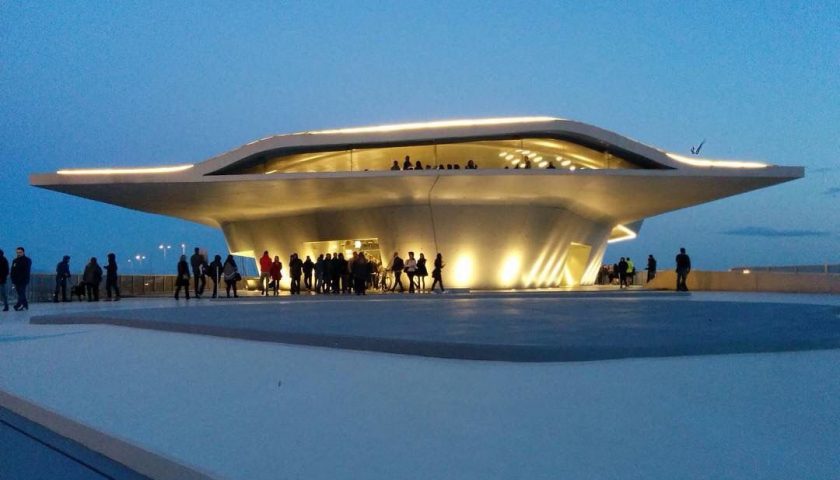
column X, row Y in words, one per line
column 97, row 84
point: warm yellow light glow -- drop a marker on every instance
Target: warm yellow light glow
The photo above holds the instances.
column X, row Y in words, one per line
column 628, row 234
column 565, row 163
column 503, row 154
column 123, row 171
column 538, row 158
column 270, row 172
column 746, row 271
column 437, row 124
column 543, row 164
column 511, row 266
column 463, row 271
column 515, row 162
column 509, row 157
column 702, row 162
column 526, row 152
column 573, row 168
column 358, row 243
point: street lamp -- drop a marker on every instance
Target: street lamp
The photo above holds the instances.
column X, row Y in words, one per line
column 164, row 248
column 183, row 249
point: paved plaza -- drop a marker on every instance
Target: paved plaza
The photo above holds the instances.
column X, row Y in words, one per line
column 727, row 385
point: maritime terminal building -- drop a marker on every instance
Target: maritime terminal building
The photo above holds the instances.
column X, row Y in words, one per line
column 498, row 226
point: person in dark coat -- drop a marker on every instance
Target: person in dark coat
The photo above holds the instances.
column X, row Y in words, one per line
column 422, row 272
column 19, row 273
column 214, row 273
column 622, row 273
column 111, row 280
column 197, row 262
column 62, row 273
column 4, row 275
column 437, row 273
column 308, row 267
column 295, row 270
column 319, row 273
column 336, row 273
column 92, row 278
column 231, row 275
column 397, row 266
column 361, row 272
column 183, row 278
column 276, row 275
column 683, row 267
column 651, row 268
column 328, row 272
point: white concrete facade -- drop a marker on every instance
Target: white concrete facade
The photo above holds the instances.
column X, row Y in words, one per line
column 495, row 227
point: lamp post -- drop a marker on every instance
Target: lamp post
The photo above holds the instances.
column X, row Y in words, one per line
column 183, row 249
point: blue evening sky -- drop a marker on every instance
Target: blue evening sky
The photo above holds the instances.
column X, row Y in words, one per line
column 147, row 83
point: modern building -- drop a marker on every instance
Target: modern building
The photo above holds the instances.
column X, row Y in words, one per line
column 546, row 198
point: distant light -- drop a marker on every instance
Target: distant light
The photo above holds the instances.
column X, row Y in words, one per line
column 270, row 172
column 516, row 162
column 566, row 163
column 123, row 171
column 503, row 154
column 538, row 158
column 526, row 152
column 572, row 168
column 746, row 271
column 543, row 164
column 698, row 162
column 437, row 124
column 358, row 243
column 510, row 157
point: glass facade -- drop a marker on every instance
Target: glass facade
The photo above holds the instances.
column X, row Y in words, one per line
column 486, row 154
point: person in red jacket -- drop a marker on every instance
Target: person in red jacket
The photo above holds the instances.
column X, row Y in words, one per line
column 265, row 272
column 276, row 275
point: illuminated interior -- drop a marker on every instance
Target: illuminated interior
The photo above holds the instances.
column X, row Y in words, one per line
column 487, row 154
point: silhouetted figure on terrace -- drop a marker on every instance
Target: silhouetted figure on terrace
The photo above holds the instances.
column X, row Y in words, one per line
column 308, row 267
column 397, row 266
column 214, row 272
column 411, row 270
column 183, row 278
column 395, row 166
column 329, row 268
column 471, row 165
column 295, row 270
column 344, row 268
column 62, row 274
column 631, row 272
column 407, row 164
column 20, row 271
column 4, row 275
column 418, row 165
column 361, row 272
column 196, row 262
column 437, row 273
column 622, row 273
column 551, row 166
column 651, row 268
column 276, row 275
column 92, row 278
column 422, row 272
column 319, row 273
column 112, row 284
column 683, row 268
column 265, row 272
column 449, row 166
column 440, row 167
column 230, row 272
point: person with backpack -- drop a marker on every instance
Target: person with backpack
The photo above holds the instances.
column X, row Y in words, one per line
column 62, row 273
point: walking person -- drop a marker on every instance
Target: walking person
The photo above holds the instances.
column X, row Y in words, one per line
column 20, row 271
column 631, row 272
column 92, row 278
column 231, row 275
column 214, row 271
column 422, row 272
column 276, row 274
column 4, row 275
column 308, row 267
column 651, row 268
column 319, row 273
column 437, row 274
column 295, row 270
column 183, row 279
column 265, row 272
column 62, row 273
column 411, row 270
column 111, row 280
column 683, row 268
column 197, row 263
column 397, row 266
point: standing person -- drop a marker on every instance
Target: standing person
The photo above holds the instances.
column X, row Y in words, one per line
column 651, row 268
column 336, row 272
column 683, row 267
column 411, row 270
column 344, row 268
column 397, row 266
column 360, row 274
column 319, row 273
column 265, row 272
column 4, row 274
column 197, row 263
column 214, row 271
column 308, row 267
column 437, row 274
column 231, row 275
column 111, row 280
column 328, row 272
column 422, row 272
column 622, row 273
column 295, row 270
column 276, row 274
column 183, row 279
column 631, row 272
column 62, row 273
column 92, row 278
column 21, row 268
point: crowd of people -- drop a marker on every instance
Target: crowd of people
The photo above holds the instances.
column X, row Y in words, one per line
column 524, row 163
column 624, row 271
column 328, row 274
